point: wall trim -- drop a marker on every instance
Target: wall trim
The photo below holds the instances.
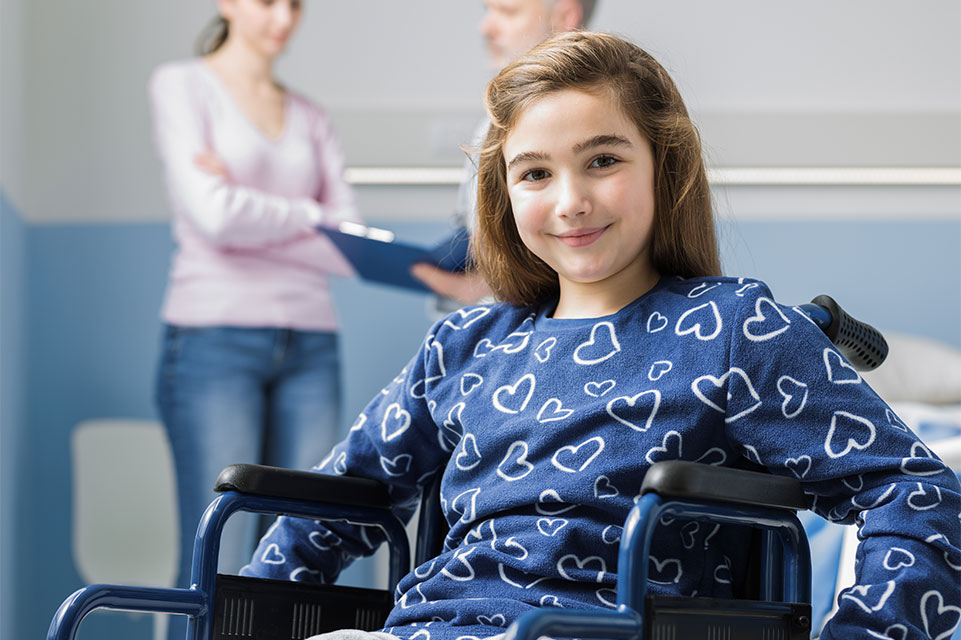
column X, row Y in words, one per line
column 722, row 176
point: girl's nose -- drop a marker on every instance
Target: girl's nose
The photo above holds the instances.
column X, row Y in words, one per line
column 573, row 198
column 487, row 26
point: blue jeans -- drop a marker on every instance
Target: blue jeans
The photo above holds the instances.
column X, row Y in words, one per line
column 230, row 394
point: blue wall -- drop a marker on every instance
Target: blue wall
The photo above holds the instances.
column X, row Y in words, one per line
column 897, row 275
column 80, row 337
column 12, row 423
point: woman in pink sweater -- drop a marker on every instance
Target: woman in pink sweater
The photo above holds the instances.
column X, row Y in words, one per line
column 250, row 368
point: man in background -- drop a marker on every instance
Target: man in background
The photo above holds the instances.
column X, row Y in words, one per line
column 510, row 28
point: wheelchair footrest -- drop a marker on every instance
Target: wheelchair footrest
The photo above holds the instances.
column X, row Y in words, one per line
column 677, row 618
column 280, row 610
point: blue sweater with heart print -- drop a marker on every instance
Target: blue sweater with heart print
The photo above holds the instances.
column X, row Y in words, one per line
column 543, row 428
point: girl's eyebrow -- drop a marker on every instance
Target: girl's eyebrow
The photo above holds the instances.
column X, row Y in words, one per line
column 527, row 156
column 608, row 140
column 605, row 140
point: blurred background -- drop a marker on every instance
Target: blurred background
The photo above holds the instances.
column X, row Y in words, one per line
column 833, row 134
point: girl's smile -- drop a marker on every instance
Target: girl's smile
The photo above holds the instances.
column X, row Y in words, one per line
column 581, row 237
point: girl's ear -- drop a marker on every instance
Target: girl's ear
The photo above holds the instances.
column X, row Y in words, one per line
column 566, row 15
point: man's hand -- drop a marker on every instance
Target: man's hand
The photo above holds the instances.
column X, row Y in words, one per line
column 466, row 287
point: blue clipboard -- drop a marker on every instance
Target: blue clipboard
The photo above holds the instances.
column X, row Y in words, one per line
column 377, row 257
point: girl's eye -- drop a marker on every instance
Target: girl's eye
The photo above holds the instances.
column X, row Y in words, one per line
column 534, row 175
column 603, row 161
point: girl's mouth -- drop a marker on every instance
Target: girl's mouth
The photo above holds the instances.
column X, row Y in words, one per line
column 581, row 237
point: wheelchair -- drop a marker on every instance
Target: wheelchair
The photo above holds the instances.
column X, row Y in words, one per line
column 222, row 607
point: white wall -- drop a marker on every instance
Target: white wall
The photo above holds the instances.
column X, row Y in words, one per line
column 854, row 83
column 11, row 98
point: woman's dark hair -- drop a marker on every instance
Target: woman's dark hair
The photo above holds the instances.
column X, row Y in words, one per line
column 213, row 36
column 683, row 241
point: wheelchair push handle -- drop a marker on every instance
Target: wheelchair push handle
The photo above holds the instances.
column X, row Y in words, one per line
column 861, row 344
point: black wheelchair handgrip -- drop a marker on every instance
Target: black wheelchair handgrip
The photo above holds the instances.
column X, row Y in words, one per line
column 275, row 482
column 695, row 481
column 861, row 344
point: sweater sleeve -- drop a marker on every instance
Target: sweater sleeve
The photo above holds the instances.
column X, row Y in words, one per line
column 796, row 406
column 395, row 441
column 228, row 215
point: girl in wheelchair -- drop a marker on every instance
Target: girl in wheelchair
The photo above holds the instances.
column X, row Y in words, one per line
column 617, row 344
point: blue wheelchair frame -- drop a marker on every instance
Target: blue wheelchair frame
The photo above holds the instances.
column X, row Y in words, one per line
column 677, row 489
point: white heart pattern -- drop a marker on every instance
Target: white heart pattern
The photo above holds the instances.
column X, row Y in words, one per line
column 894, row 420
column 607, row 597
column 924, row 499
column 600, row 346
column 898, row 558
column 550, row 526
column 739, row 400
column 889, row 633
column 396, row 466
column 515, row 466
column 704, row 321
column 870, row 597
column 396, row 421
column 465, row 572
column 760, row 327
column 670, row 448
column 656, row 322
column 581, row 566
column 598, row 389
column 574, row 459
column 795, row 394
column 611, row 534
column 483, row 347
column 938, row 616
column 272, row 555
column 604, row 489
column 658, row 369
column 701, row 289
column 550, row 496
column 523, row 388
column 740, row 292
column 469, row 382
column 452, row 429
column 553, row 410
column 848, row 432
column 543, row 350
column 799, row 466
column 466, row 505
column 515, row 342
column 839, row 371
column 919, row 463
column 464, row 319
column 469, row 456
column 664, row 571
column 636, row 412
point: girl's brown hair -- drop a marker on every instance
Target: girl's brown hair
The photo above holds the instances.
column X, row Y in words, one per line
column 683, row 240
column 213, row 36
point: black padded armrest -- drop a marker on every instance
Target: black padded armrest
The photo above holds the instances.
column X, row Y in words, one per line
column 255, row 479
column 694, row 481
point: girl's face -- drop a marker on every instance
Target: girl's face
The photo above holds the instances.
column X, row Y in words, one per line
column 263, row 25
column 581, row 182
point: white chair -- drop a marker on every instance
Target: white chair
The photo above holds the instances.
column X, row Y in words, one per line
column 124, row 505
